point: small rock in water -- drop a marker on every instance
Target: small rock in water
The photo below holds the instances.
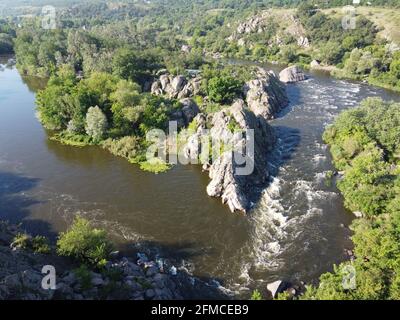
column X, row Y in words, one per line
column 173, row 271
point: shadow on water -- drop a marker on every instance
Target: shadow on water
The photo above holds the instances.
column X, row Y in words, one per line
column 14, row 204
column 193, row 288
column 288, row 140
column 34, row 84
column 294, row 93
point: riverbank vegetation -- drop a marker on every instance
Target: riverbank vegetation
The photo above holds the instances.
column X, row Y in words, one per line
column 365, row 145
column 7, row 34
column 84, row 243
column 102, row 109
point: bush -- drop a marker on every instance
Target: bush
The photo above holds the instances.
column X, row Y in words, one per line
column 223, row 89
column 84, row 277
column 127, row 147
column 38, row 244
column 256, row 295
column 84, row 243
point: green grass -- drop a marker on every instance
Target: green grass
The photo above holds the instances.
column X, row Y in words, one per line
column 155, row 166
column 71, row 139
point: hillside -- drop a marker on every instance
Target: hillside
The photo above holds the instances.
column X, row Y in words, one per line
column 388, row 20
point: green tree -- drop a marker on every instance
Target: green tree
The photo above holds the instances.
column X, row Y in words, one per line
column 223, row 89
column 96, row 123
column 84, row 243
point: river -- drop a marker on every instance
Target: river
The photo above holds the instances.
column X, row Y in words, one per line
column 298, row 230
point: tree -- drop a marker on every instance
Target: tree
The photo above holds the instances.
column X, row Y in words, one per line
column 85, row 243
column 395, row 68
column 331, row 53
column 128, row 65
column 223, row 89
column 96, row 123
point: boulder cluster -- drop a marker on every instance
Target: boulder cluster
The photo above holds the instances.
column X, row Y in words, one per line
column 259, row 23
column 123, row 278
column 178, row 87
column 264, row 97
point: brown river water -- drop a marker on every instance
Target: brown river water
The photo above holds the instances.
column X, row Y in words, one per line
column 297, row 230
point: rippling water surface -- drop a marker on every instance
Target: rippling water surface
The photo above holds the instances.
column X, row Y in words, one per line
column 297, row 230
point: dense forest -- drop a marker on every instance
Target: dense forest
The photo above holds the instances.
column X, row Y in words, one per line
column 209, row 29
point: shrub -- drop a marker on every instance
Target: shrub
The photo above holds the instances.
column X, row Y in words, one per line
column 256, row 295
column 38, row 244
column 126, row 147
column 223, row 89
column 84, row 243
column 84, row 277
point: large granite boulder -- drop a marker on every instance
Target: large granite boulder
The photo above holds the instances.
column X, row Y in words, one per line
column 186, row 114
column 227, row 181
column 292, row 74
column 265, row 95
column 178, row 87
column 189, row 109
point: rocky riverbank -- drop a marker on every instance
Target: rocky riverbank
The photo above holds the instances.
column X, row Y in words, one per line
column 260, row 100
column 127, row 278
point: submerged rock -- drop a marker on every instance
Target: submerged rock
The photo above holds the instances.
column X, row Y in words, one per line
column 292, row 74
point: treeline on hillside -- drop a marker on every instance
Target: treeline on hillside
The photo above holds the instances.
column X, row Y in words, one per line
column 357, row 53
column 157, row 35
column 7, row 34
column 365, row 145
column 40, row 52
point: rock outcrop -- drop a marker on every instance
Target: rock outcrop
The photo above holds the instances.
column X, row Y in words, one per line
column 226, row 181
column 185, row 115
column 176, row 87
column 315, row 64
column 139, row 278
column 292, row 74
column 229, row 179
column 265, row 95
column 289, row 25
